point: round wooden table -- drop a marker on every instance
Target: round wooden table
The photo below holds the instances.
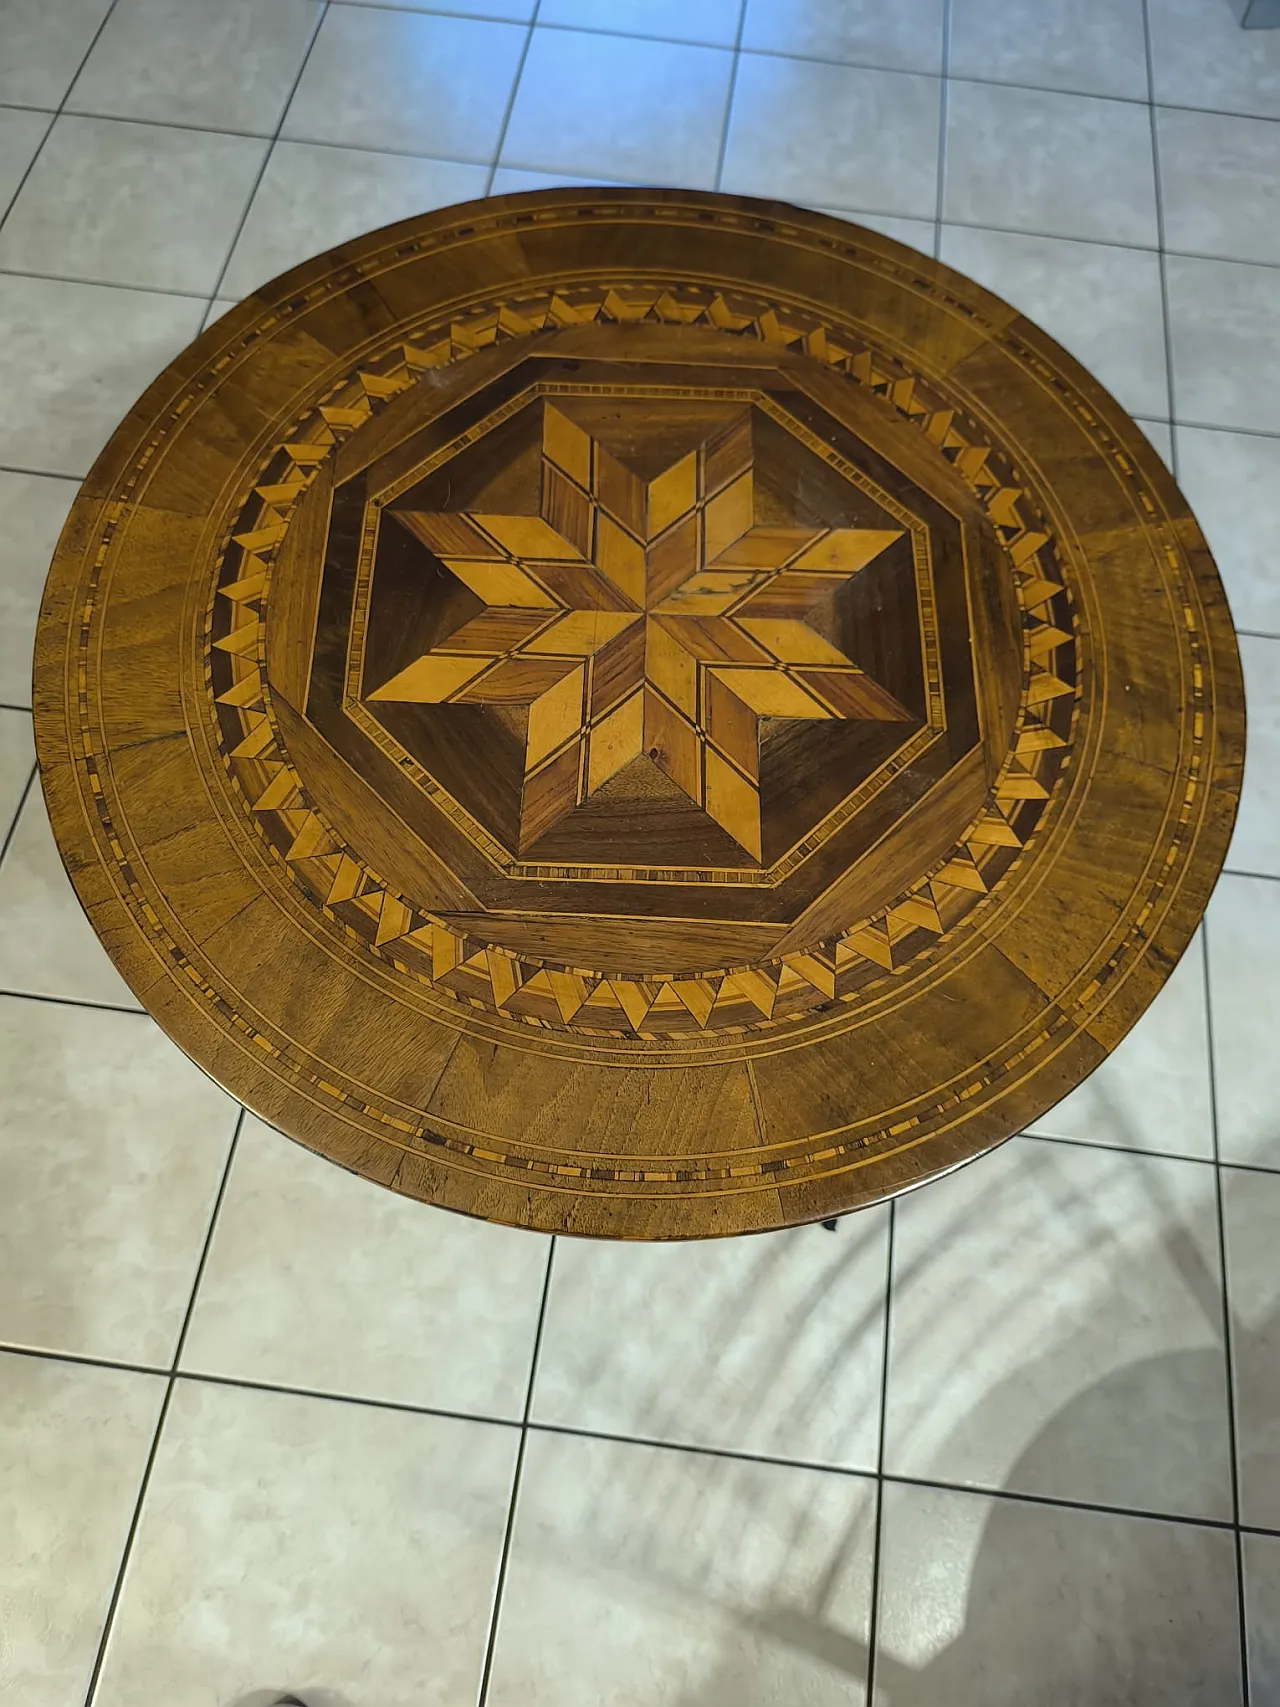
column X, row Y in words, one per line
column 644, row 713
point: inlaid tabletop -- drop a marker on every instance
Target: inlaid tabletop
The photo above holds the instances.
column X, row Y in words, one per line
column 637, row 713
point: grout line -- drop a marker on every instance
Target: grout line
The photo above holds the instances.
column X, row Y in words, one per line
column 1158, row 183
column 118, row 1587
column 1237, row 871
column 8, row 206
column 205, row 1378
column 864, row 1473
column 208, row 1240
column 71, row 1001
column 729, row 98
column 944, row 118
column 1228, row 1343
column 153, row 124
column 526, row 166
column 1118, row 1149
column 501, row 1580
column 1223, row 427
column 57, row 111
column 212, row 297
column 562, row 29
column 1247, row 1168
column 622, row 183
column 17, row 811
column 877, row 1544
column 105, row 284
column 269, row 136
column 1149, row 1155
column 589, row 179
column 43, row 474
column 511, row 99
column 1013, row 1496
column 1061, row 237
column 1056, row 1502
column 245, row 1383
column 81, row 1359
column 166, row 124
column 805, row 58
column 977, row 1490
column 720, row 46
column 135, row 1520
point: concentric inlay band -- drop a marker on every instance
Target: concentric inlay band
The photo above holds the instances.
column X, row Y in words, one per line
column 646, row 715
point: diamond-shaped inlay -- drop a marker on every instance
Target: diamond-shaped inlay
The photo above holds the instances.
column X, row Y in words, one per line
column 638, row 617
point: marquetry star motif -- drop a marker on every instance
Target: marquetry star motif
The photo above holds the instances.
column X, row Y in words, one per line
column 644, row 617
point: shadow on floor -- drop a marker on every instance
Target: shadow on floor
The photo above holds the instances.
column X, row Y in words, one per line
column 996, row 1602
column 986, row 1601
column 277, row 1698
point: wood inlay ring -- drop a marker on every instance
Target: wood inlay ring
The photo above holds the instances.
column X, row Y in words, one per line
column 644, row 714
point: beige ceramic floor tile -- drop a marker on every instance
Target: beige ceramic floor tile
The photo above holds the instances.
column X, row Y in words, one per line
column 772, row 1345
column 42, row 43
column 915, row 233
column 217, row 308
column 1161, row 435
column 312, row 198
column 73, row 1446
column 633, row 110
column 714, row 23
column 834, row 136
column 1262, row 1614
column 1225, row 337
column 111, row 1149
column 1233, row 482
column 1244, row 991
column 511, row 11
column 228, row 66
column 512, row 180
column 1255, row 845
column 80, row 214
column 643, row 1576
column 1220, row 184
column 1101, row 303
column 322, row 1280
column 21, row 134
column 906, row 36
column 1251, row 1211
column 1153, row 1092
column 310, row 1545
column 1055, row 1328
column 47, row 945
column 1094, row 47
column 32, row 511
column 408, row 81
column 73, row 357
column 17, row 759
column 1060, row 165
column 1202, row 58
column 999, row 1603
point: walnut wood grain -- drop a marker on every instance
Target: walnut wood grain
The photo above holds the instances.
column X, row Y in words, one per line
column 643, row 714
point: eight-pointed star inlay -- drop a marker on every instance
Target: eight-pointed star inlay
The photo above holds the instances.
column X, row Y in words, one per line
column 636, row 617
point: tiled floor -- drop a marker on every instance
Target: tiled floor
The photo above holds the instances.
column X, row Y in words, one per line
column 263, row 1426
